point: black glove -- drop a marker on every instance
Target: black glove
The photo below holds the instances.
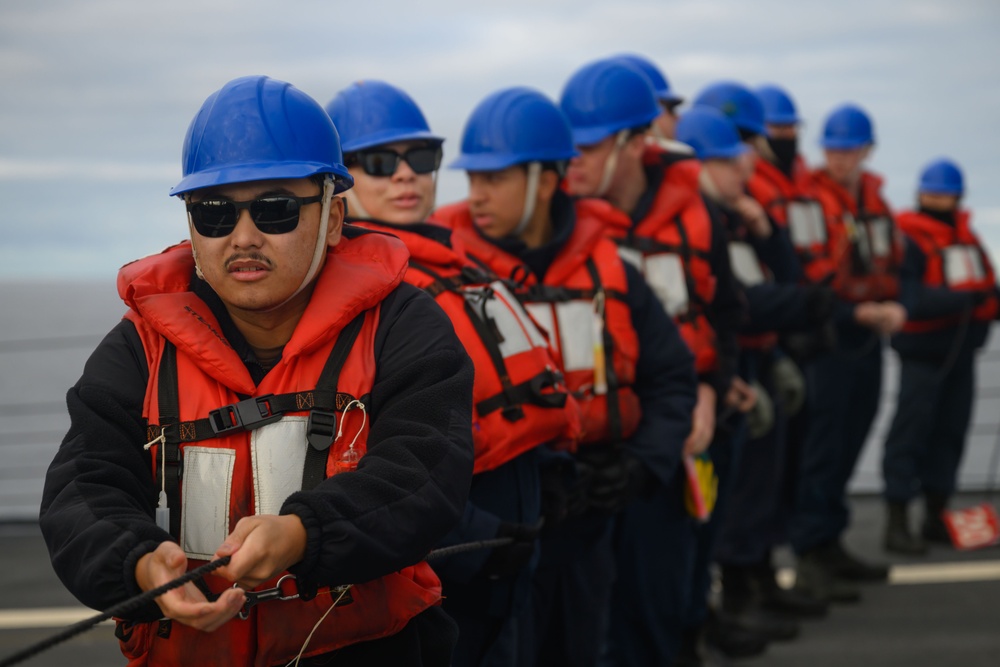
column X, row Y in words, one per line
column 619, row 477
column 803, row 347
column 980, row 297
column 508, row 560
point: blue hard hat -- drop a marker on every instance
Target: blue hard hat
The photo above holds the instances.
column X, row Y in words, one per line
column 514, row 126
column 256, row 128
column 710, row 133
column 661, row 86
column 779, row 109
column 847, row 127
column 737, row 102
column 942, row 176
column 373, row 113
column 607, row 96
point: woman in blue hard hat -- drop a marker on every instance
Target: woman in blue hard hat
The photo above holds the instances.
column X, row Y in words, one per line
column 292, row 422
column 619, row 351
column 520, row 401
column 872, row 284
column 949, row 322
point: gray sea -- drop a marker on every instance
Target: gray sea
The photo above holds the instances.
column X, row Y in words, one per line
column 47, row 331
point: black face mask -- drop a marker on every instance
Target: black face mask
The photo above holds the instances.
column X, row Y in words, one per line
column 785, row 151
column 947, row 217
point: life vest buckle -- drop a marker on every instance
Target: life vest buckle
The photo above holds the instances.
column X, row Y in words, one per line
column 246, row 415
column 320, row 429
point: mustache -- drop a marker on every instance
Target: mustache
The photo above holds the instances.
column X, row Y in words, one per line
column 251, row 256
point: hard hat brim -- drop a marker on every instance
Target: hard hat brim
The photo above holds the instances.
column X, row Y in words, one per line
column 260, row 172
column 499, row 162
column 843, row 144
column 389, row 137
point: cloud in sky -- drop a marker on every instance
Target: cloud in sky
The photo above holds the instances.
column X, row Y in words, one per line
column 97, row 96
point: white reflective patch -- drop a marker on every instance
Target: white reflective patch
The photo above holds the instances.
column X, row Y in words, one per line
column 633, row 257
column 542, row 314
column 962, row 264
column 278, row 453
column 207, row 485
column 745, row 265
column 805, row 223
column 576, row 334
column 516, row 330
column 880, row 233
column 665, row 275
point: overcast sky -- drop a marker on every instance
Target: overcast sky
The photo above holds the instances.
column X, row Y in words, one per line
column 96, row 96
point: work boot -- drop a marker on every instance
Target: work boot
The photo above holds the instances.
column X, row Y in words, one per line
column 933, row 528
column 732, row 640
column 741, row 605
column 783, row 600
column 814, row 579
column 898, row 537
column 847, row 566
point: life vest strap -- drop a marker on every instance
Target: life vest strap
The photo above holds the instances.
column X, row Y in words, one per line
column 529, row 392
column 649, row 246
column 557, row 294
column 321, row 430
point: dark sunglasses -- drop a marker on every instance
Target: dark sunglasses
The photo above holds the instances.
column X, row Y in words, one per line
column 383, row 162
column 273, row 214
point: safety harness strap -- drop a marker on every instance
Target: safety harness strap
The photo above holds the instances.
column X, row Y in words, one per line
column 528, row 392
column 169, row 407
column 649, row 246
column 322, row 423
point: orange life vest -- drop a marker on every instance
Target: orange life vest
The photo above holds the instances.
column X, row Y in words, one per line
column 671, row 247
column 580, row 303
column 793, row 205
column 243, row 449
column 520, row 397
column 954, row 259
column 864, row 242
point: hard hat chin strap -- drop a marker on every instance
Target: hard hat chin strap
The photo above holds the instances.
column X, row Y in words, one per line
column 354, row 205
column 329, row 185
column 530, row 197
column 611, row 164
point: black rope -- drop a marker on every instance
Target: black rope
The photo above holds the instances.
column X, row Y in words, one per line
column 121, row 609
column 133, row 604
column 443, row 552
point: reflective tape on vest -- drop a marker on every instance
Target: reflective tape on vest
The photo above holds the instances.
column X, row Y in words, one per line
column 880, row 236
column 516, row 333
column 278, row 453
column 806, row 224
column 745, row 264
column 664, row 272
column 207, row 487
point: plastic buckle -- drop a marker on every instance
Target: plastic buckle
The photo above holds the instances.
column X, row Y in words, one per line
column 246, row 415
column 320, row 429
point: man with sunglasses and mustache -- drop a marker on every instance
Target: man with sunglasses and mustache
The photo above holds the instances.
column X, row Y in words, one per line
column 521, row 402
column 264, row 399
